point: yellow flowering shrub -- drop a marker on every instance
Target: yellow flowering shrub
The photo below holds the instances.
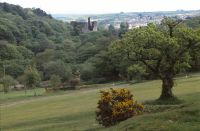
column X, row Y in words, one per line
column 116, row 105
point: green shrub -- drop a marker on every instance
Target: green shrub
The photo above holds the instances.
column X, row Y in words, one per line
column 116, row 105
column 7, row 81
column 55, row 81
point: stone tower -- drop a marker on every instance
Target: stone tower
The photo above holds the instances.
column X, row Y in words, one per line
column 85, row 26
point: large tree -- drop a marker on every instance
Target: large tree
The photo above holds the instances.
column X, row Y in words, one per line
column 7, row 81
column 32, row 78
column 163, row 49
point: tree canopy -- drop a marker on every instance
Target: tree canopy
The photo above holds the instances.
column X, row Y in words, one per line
column 163, row 50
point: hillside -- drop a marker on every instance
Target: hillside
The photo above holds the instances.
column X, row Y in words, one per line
column 75, row 110
column 32, row 28
column 33, row 37
column 52, row 72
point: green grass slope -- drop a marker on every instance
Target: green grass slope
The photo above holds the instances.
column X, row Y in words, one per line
column 75, row 110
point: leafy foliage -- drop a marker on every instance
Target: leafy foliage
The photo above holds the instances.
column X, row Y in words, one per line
column 7, row 81
column 14, row 59
column 55, row 81
column 32, row 76
column 136, row 71
column 33, row 35
column 164, row 49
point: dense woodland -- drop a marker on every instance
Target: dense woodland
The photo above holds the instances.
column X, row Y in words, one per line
column 32, row 41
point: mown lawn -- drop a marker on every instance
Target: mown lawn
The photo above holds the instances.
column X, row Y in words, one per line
column 75, row 110
column 19, row 95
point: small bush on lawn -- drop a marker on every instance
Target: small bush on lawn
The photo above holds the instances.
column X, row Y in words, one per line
column 116, row 105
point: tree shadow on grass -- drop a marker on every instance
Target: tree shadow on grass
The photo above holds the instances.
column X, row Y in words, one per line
column 169, row 101
column 160, row 105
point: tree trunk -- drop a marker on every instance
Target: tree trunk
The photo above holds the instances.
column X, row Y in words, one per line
column 34, row 88
column 167, row 84
column 171, row 31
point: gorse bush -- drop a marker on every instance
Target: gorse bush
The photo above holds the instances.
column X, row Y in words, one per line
column 116, row 105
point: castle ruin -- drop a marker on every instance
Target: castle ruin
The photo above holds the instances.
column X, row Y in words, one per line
column 85, row 26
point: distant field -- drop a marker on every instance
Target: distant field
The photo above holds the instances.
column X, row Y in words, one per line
column 75, row 110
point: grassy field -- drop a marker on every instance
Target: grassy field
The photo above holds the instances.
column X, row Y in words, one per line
column 75, row 110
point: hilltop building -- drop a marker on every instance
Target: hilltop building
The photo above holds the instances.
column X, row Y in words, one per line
column 85, row 26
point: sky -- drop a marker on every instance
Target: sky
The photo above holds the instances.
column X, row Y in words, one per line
column 106, row 6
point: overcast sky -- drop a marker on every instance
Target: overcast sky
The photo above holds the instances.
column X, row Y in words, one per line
column 106, row 6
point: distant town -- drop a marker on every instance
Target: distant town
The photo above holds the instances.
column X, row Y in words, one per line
column 134, row 19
